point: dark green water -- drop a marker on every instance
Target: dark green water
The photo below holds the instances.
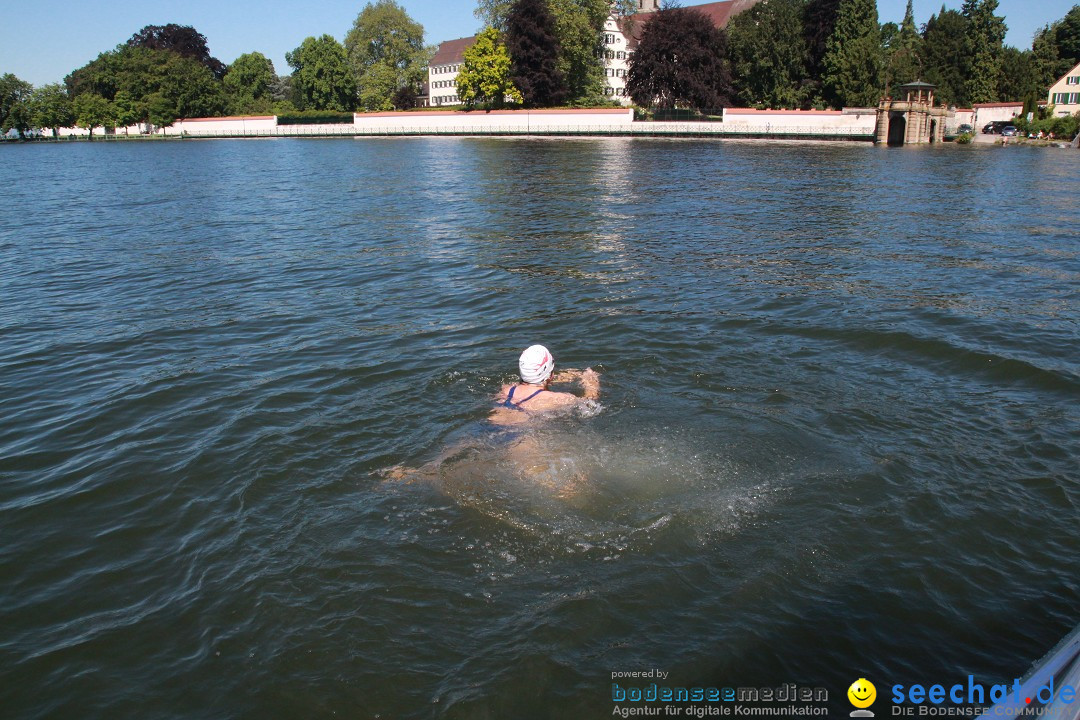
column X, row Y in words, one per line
column 840, row 429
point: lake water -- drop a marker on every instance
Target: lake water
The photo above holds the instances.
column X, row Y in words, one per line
column 839, row 433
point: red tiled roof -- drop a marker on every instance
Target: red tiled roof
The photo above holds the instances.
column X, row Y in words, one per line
column 452, row 51
column 719, row 12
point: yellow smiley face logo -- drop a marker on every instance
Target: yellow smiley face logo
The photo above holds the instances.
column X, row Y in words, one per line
column 862, row 693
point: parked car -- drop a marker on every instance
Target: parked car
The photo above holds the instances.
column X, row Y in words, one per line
column 965, row 128
column 994, row 127
column 1008, row 131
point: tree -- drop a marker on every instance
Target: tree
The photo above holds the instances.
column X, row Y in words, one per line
column 128, row 110
column 183, row 40
column 141, row 72
column 93, row 111
column 1019, row 78
column 1057, row 46
column 494, row 13
column 15, row 111
column 680, row 62
column 1067, row 38
column 903, row 53
column 405, row 98
column 160, row 111
column 386, row 53
column 485, row 73
column 579, row 27
column 944, row 60
column 190, row 87
column 819, row 21
column 52, row 108
column 534, row 54
column 983, row 45
column 322, row 79
column 769, row 55
column 249, row 84
column 853, row 56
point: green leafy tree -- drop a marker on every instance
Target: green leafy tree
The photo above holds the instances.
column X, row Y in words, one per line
column 322, row 79
column 141, row 72
column 579, row 28
column 853, row 56
column 161, row 112
column 1057, row 46
column 249, row 84
column 1019, row 78
column 903, row 53
column 128, row 110
column 93, row 111
column 945, row 63
column 534, row 54
column 15, row 104
column 983, row 45
column 192, row 88
column 769, row 55
column 1067, row 38
column 52, row 108
column 484, row 78
column 283, row 95
column 183, row 40
column 1045, row 53
column 386, row 53
column 680, row 62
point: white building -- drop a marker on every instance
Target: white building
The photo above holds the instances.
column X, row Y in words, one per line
column 443, row 71
column 1065, row 93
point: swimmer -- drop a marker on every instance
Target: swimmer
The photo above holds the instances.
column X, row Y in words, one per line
column 518, row 403
column 536, row 367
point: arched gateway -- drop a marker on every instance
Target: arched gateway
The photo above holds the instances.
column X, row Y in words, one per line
column 913, row 120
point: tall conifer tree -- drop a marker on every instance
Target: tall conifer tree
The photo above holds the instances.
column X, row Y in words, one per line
column 853, row 56
column 983, row 44
column 944, row 61
column 904, row 61
column 819, row 23
column 534, row 54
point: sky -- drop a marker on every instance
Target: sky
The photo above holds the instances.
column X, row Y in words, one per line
column 44, row 44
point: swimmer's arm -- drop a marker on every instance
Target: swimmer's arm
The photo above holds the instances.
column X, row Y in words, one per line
column 567, row 375
column 590, row 380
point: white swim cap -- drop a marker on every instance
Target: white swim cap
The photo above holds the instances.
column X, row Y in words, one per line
column 536, row 364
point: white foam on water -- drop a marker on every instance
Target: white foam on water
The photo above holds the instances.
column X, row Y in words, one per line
column 571, row 489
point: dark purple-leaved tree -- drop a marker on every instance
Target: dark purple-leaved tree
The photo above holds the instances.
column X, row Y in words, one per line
column 534, row 54
column 680, row 62
column 183, row 40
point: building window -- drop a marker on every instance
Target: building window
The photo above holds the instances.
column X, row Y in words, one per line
column 620, row 55
column 1074, row 80
column 609, row 91
column 609, row 39
column 620, row 73
column 610, row 55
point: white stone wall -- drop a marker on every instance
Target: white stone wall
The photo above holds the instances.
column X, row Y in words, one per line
column 496, row 120
column 259, row 125
column 990, row 113
column 855, row 119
